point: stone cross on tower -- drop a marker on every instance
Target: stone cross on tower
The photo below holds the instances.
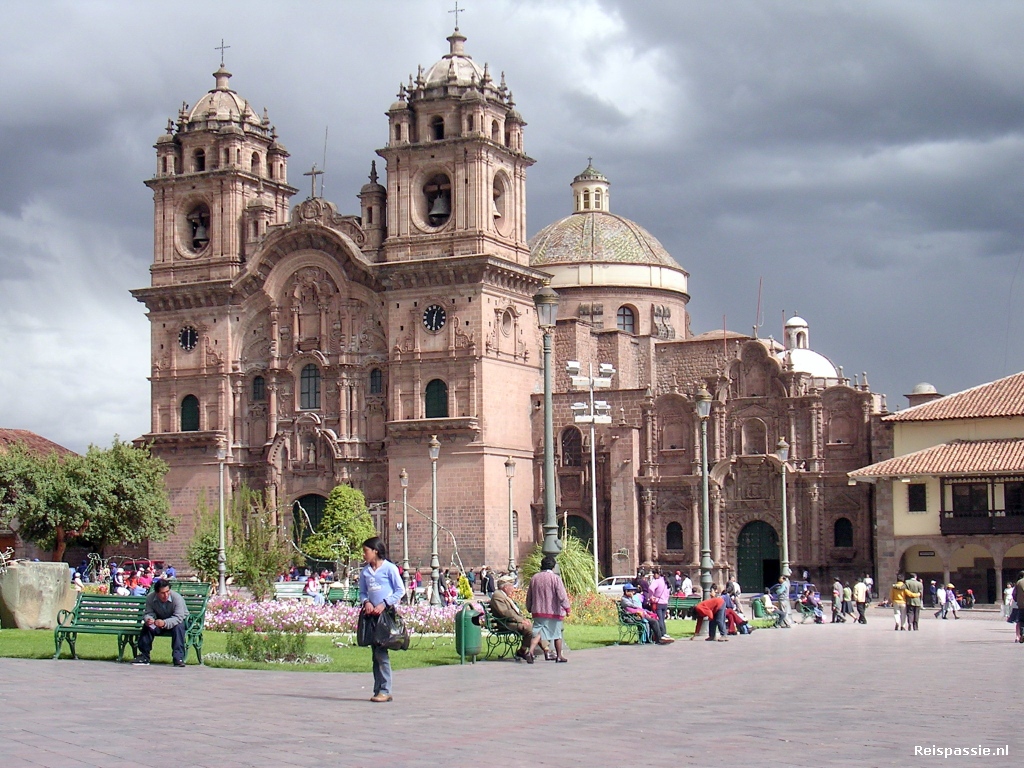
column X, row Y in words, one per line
column 313, row 173
column 457, row 11
column 221, row 48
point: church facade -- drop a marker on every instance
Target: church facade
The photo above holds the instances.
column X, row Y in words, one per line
column 299, row 348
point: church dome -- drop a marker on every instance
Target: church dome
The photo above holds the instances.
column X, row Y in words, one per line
column 924, row 388
column 597, row 236
column 223, row 105
column 798, row 354
column 455, row 68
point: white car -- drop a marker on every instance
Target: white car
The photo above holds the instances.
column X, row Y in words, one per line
column 612, row 586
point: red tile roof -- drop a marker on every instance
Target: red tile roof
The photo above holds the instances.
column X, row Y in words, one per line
column 1002, row 397
column 40, row 446
column 959, row 457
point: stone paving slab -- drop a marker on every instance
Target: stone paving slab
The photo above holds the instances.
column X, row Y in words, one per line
column 813, row 695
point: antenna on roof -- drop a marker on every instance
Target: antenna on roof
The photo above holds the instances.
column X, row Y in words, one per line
column 758, row 318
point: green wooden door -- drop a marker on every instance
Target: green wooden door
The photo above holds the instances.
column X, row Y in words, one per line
column 758, row 556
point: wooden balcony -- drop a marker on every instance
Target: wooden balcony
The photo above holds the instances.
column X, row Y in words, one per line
column 985, row 522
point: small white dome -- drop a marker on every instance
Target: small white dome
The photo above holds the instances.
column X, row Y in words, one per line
column 810, row 362
column 796, row 322
column 924, row 388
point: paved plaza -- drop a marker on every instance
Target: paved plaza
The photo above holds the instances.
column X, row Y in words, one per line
column 809, row 696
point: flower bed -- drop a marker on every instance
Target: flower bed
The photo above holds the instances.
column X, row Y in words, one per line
column 227, row 614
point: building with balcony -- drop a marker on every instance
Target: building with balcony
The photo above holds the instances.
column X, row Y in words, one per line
column 949, row 502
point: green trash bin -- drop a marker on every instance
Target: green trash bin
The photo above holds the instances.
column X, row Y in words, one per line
column 758, row 605
column 468, row 639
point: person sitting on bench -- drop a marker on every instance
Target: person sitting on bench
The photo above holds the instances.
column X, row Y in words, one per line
column 632, row 604
column 165, row 613
column 504, row 607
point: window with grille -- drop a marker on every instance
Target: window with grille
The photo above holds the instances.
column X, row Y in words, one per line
column 309, row 388
column 674, row 536
column 259, row 389
column 572, row 448
column 917, row 497
column 376, row 381
column 625, row 320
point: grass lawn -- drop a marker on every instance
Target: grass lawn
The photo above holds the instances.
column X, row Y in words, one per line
column 424, row 651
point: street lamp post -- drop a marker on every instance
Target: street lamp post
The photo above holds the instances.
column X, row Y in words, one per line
column 403, row 478
column 546, row 301
column 597, row 413
column 435, row 563
column 510, row 472
column 222, row 558
column 782, row 452
column 703, row 413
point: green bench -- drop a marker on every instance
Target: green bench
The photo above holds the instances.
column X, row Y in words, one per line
column 499, row 636
column 347, row 595
column 680, row 607
column 290, row 590
column 185, row 588
column 122, row 617
column 631, row 627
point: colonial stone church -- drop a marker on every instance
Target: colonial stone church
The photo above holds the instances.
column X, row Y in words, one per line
column 303, row 347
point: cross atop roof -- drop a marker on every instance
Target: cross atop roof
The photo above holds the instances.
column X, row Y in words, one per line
column 221, row 48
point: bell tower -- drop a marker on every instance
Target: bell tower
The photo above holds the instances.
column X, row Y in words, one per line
column 455, row 164
column 221, row 181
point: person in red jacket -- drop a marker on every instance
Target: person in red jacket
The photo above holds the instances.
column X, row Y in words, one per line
column 712, row 610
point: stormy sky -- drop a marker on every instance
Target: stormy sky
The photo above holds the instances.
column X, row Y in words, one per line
column 864, row 159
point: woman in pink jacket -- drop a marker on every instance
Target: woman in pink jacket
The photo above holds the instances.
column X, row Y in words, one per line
column 657, row 597
column 548, row 602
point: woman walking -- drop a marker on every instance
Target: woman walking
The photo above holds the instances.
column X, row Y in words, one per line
column 380, row 586
column 548, row 601
column 898, row 598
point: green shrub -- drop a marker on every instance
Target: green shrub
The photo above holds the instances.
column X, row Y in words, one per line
column 269, row 646
column 575, row 566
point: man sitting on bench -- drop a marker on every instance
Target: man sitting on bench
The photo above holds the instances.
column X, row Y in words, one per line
column 504, row 607
column 165, row 614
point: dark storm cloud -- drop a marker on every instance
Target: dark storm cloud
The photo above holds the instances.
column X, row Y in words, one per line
column 863, row 158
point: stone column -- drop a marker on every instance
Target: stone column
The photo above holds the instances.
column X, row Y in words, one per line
column 271, row 411
column 716, row 524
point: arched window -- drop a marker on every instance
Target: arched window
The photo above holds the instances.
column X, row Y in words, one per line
column 256, row 164
column 841, row 429
column 436, row 400
column 755, row 438
column 495, row 131
column 572, row 448
column 469, row 123
column 625, row 320
column 586, row 199
column 270, row 170
column 259, row 389
column 842, row 533
column 227, row 157
column 376, row 381
column 674, row 536
column 309, row 388
column 190, row 414
column 437, row 128
column 199, row 161
column 597, row 199
column 398, row 132
column 164, row 165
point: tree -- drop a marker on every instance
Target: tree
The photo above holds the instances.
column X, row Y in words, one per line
column 258, row 552
column 108, row 496
column 346, row 524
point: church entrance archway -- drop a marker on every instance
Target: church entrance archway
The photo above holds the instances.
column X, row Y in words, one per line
column 580, row 528
column 308, row 511
column 757, row 556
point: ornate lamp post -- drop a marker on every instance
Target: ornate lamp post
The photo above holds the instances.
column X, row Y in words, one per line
column 703, row 413
column 782, row 452
column 403, row 478
column 435, row 563
column 222, row 558
column 546, row 301
column 510, row 472
column 597, row 413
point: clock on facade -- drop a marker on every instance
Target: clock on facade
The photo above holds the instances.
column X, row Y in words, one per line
column 434, row 318
column 188, row 337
